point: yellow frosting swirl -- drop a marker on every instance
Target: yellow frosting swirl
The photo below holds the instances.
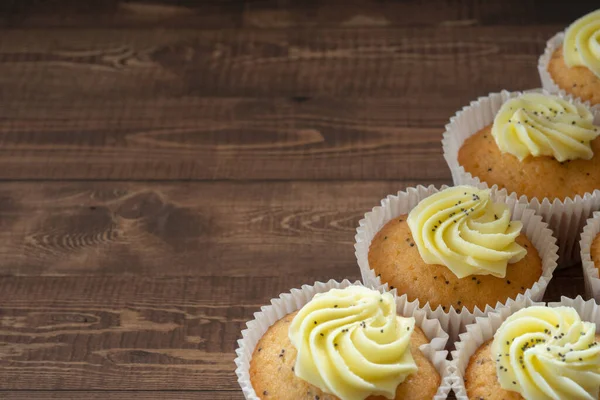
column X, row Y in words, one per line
column 352, row 344
column 543, row 125
column 548, row 353
column 461, row 228
column 581, row 46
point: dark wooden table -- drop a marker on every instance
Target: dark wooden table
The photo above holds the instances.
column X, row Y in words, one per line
column 168, row 167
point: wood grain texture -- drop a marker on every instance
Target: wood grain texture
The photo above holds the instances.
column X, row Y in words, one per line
column 245, row 104
column 130, row 332
column 250, row 139
column 201, row 229
column 373, row 14
column 122, row 395
column 386, row 62
column 206, row 14
column 269, row 14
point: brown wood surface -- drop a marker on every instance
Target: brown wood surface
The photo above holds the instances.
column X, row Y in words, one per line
column 167, row 167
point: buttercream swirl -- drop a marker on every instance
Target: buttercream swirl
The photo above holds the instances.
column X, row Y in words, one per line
column 581, row 46
column 548, row 353
column 352, row 344
column 463, row 229
column 544, row 125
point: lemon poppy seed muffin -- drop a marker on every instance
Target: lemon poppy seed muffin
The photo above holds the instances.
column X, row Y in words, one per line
column 273, row 377
column 575, row 66
column 396, row 260
column 537, row 353
column 344, row 344
column 540, row 146
column 456, row 248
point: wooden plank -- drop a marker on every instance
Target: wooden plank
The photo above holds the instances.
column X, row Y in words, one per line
column 131, row 332
column 284, row 138
column 364, row 13
column 201, row 229
column 320, row 104
column 282, row 14
column 385, row 62
column 206, row 14
column 121, row 395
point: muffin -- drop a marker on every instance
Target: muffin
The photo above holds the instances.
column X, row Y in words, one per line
column 540, row 146
column 571, row 62
column 347, row 342
column 538, row 352
column 590, row 256
column 541, row 149
column 456, row 248
column 457, row 253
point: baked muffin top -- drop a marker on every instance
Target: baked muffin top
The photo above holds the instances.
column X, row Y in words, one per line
column 344, row 344
column 456, row 248
column 540, row 146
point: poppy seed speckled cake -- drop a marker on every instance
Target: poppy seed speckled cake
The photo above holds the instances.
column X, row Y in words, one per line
column 534, row 353
column 571, row 62
column 342, row 341
column 457, row 253
column 456, row 248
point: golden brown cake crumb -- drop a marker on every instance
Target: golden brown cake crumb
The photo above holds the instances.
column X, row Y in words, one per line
column 395, row 257
column 480, row 377
column 595, row 252
column 273, row 377
column 535, row 176
column 578, row 81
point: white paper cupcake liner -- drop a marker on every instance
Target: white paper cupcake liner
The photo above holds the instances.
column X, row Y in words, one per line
column 548, row 83
column 454, row 321
column 551, row 46
column 566, row 216
column 287, row 303
column 484, row 328
column 590, row 272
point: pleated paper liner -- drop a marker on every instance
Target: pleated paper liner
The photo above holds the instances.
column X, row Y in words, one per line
column 590, row 272
column 566, row 217
column 551, row 46
column 287, row 303
column 485, row 328
column 548, row 82
column 454, row 320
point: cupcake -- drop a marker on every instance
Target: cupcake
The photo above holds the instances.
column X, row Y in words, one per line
column 342, row 341
column 542, row 149
column 535, row 353
column 456, row 253
column 571, row 62
column 590, row 256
